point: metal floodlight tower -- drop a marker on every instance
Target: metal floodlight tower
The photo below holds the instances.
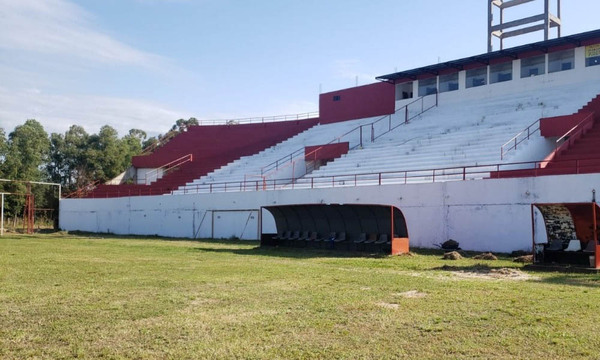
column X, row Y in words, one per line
column 502, row 30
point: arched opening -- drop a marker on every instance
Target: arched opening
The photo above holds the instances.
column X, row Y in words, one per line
column 351, row 227
column 567, row 233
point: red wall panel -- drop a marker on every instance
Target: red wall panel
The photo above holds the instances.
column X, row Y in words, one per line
column 559, row 125
column 358, row 102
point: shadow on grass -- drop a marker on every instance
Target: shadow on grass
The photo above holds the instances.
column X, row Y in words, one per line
column 580, row 280
column 294, row 253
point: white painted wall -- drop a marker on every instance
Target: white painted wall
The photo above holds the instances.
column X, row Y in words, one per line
column 492, row 214
column 146, row 176
column 243, row 224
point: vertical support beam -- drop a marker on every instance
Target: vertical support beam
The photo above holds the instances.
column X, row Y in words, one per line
column 535, row 260
column 546, row 19
column 558, row 15
column 501, row 22
column 490, row 20
column 2, row 216
column 595, row 233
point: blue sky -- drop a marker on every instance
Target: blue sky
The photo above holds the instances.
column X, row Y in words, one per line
column 145, row 63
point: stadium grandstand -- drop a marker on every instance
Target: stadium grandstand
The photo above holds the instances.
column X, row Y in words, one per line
column 499, row 151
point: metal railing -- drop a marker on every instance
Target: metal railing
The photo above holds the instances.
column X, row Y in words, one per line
column 372, row 130
column 576, row 131
column 158, row 173
column 519, row 138
column 460, row 173
column 261, row 119
column 571, row 136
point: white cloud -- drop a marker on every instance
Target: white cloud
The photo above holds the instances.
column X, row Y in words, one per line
column 59, row 27
column 57, row 112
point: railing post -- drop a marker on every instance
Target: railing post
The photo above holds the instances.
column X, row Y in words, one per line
column 406, row 114
column 372, row 133
column 433, row 175
column 405, row 177
column 312, row 181
column 361, row 143
column 293, row 173
column 379, row 180
column 515, row 143
column 464, row 173
column 390, row 122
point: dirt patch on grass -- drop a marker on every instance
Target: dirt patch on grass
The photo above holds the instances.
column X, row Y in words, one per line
column 388, row 305
column 411, row 294
column 484, row 272
column 524, row 259
column 485, row 256
column 452, row 255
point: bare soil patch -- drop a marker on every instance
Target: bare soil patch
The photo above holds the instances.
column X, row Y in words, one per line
column 524, row 259
column 411, row 294
column 452, row 255
column 485, row 256
column 388, row 305
column 484, row 272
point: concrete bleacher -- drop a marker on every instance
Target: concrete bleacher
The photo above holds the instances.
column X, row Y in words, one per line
column 456, row 134
column 249, row 168
column 466, row 133
column 210, row 147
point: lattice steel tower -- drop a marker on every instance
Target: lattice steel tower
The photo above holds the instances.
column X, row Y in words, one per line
column 503, row 30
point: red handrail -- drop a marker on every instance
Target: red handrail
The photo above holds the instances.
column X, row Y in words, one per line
column 167, row 167
column 571, row 135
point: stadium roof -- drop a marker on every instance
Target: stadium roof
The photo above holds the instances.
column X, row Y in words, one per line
column 514, row 53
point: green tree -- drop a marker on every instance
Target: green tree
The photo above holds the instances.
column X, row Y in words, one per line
column 26, row 152
column 67, row 160
column 3, row 150
column 103, row 154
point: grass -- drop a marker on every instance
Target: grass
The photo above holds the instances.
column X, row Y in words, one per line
column 70, row 296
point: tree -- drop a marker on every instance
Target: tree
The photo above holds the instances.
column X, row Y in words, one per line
column 104, row 154
column 26, row 154
column 3, row 150
column 28, row 148
column 181, row 125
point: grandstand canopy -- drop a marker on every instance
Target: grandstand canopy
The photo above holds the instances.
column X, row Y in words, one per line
column 515, row 53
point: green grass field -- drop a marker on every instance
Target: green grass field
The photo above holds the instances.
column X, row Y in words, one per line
column 68, row 296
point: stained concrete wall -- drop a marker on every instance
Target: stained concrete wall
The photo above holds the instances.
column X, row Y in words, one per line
column 492, row 214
